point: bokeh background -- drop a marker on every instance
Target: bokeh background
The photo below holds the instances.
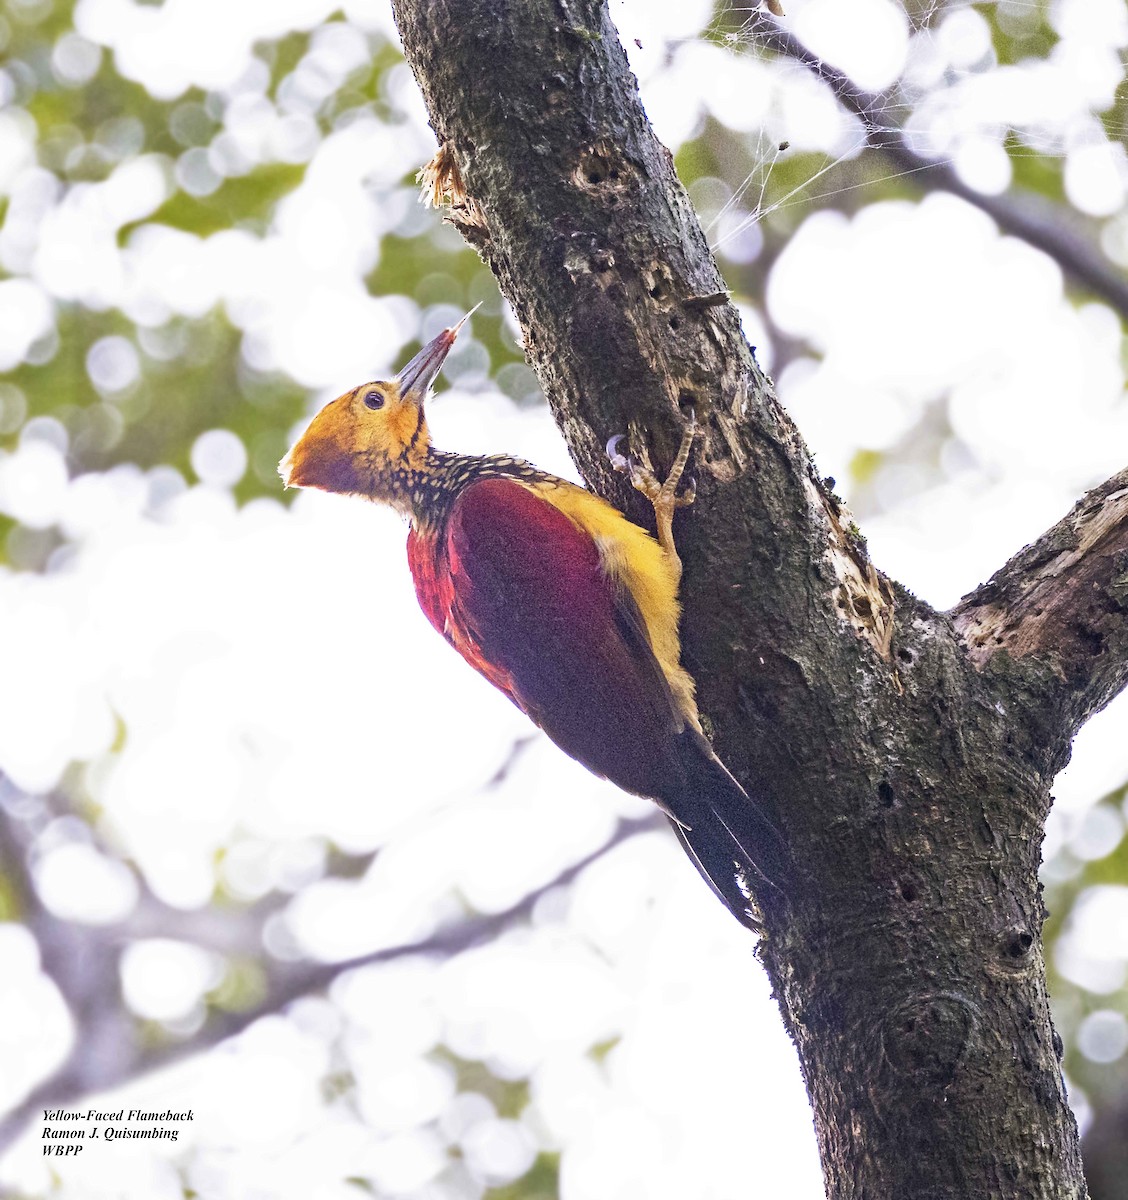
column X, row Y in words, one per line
column 233, row 754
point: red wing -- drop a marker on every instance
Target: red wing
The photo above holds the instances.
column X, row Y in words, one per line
column 434, row 589
column 526, row 602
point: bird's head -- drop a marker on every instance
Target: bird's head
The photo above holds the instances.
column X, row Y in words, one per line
column 362, row 442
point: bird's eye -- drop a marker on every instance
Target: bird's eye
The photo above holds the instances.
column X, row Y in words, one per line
column 374, row 400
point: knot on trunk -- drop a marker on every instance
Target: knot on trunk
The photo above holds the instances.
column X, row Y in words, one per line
column 927, row 1035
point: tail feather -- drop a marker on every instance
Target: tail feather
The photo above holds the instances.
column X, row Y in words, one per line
column 719, row 870
column 725, row 832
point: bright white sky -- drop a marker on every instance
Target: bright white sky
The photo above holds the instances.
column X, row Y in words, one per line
column 280, row 688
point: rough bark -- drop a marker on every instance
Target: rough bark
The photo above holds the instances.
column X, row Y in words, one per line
column 1054, row 616
column 905, row 946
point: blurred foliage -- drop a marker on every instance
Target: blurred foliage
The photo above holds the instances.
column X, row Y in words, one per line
column 194, row 374
column 542, row 1182
column 1073, row 1001
column 508, row 1097
column 246, row 201
column 1018, row 33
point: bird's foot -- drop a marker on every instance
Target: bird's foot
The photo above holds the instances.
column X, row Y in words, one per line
column 663, row 495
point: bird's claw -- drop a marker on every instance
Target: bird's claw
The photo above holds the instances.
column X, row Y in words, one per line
column 663, row 496
column 645, row 481
column 619, row 462
column 642, row 478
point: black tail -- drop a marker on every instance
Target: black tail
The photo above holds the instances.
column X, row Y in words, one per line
column 726, row 833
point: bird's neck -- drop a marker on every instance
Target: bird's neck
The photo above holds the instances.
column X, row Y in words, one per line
column 426, row 489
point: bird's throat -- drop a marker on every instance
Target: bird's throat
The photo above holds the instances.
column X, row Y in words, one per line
column 426, row 492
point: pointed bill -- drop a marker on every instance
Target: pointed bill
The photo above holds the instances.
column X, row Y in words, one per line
column 416, row 378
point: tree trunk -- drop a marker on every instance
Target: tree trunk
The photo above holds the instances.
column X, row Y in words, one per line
column 906, row 754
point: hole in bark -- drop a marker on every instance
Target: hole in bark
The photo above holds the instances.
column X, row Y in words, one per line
column 885, row 793
column 599, row 167
column 908, row 893
column 656, row 291
column 904, row 655
column 675, row 323
column 1017, row 944
column 1091, row 640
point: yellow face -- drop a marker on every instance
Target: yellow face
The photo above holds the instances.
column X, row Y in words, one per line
column 359, row 443
column 359, row 439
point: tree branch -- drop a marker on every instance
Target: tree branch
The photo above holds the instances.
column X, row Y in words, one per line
column 1059, row 610
column 84, row 1073
column 1044, row 225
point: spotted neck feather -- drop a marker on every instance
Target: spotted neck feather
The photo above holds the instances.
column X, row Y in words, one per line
column 425, row 492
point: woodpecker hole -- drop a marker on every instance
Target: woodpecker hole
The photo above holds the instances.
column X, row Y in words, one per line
column 675, row 323
column 599, row 168
column 1017, row 943
column 906, row 656
column 909, row 893
column 1092, row 641
column 885, row 794
column 657, row 292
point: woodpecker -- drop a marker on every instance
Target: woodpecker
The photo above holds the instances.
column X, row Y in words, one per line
column 558, row 600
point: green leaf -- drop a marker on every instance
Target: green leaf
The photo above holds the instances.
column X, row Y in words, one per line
column 244, row 200
column 540, row 1182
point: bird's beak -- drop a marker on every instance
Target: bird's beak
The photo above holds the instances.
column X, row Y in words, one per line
column 416, row 378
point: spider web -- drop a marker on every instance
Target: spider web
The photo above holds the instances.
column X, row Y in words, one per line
column 953, row 104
